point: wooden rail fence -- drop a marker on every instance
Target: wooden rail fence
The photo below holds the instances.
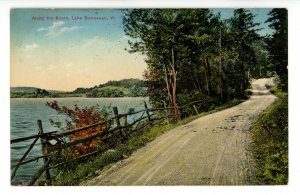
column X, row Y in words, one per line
column 122, row 127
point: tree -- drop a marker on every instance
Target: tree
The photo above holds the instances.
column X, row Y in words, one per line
column 262, row 56
column 192, row 54
column 202, row 36
column 244, row 33
column 278, row 44
column 157, row 33
column 38, row 91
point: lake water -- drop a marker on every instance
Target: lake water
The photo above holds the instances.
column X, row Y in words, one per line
column 26, row 111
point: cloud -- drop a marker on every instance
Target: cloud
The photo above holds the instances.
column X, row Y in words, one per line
column 57, row 28
column 67, row 29
column 95, row 41
column 41, row 29
column 28, row 50
column 30, row 47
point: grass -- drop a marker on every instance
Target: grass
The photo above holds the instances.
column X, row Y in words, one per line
column 270, row 143
column 74, row 174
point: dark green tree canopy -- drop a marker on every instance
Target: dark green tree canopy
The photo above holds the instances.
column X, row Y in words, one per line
column 192, row 54
column 278, row 43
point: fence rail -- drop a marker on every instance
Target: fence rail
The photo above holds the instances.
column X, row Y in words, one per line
column 49, row 151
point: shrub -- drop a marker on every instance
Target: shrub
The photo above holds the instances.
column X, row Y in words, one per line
column 270, row 143
column 77, row 118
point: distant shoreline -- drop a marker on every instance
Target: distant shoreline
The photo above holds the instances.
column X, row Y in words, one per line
column 122, row 88
column 79, row 97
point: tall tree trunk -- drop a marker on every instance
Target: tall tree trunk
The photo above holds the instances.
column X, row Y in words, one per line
column 207, row 76
column 174, row 85
column 206, row 81
column 193, row 81
column 222, row 85
column 167, row 83
column 242, row 80
column 198, row 84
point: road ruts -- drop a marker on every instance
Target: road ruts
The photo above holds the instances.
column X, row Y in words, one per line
column 211, row 150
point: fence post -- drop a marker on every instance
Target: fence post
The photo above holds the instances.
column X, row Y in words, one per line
column 44, row 150
column 195, row 108
column 125, row 124
column 147, row 112
column 116, row 112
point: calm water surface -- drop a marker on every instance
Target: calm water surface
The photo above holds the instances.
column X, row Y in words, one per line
column 26, row 111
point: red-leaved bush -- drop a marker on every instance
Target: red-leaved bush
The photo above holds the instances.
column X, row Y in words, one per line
column 77, row 118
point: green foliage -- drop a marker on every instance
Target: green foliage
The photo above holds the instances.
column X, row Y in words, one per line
column 117, row 91
column 207, row 103
column 108, row 91
column 126, row 83
column 24, row 95
column 262, row 59
column 122, row 88
column 278, row 44
column 28, row 93
column 243, row 33
column 32, row 92
column 193, row 51
column 73, row 176
column 23, row 89
column 270, row 143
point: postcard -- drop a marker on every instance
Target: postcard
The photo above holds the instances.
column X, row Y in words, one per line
column 159, row 97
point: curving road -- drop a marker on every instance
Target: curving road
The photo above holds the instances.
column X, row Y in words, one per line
column 211, row 150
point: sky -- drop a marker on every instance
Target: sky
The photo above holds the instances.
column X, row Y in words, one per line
column 60, row 49
column 260, row 16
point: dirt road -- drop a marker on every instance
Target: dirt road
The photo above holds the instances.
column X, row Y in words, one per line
column 211, row 150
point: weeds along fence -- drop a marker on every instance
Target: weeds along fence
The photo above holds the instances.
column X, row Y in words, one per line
column 54, row 143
